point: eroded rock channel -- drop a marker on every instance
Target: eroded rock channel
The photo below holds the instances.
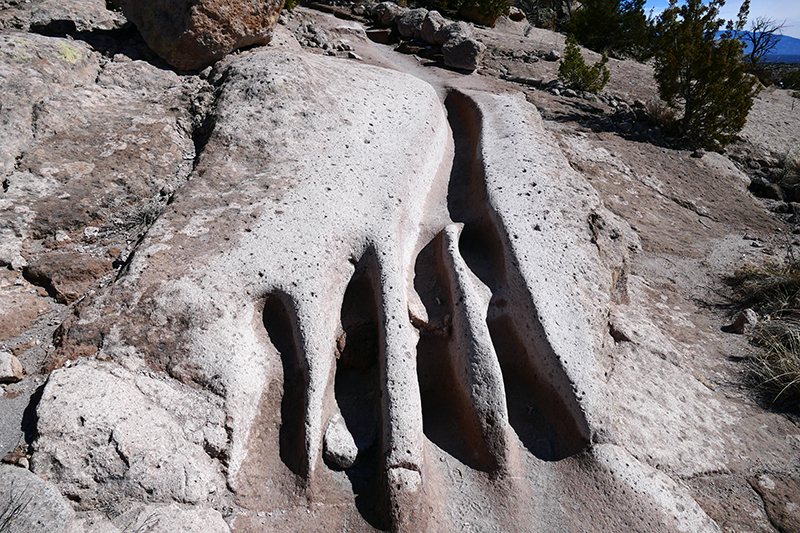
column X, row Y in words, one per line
column 364, row 308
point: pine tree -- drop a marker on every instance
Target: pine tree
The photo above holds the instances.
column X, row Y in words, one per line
column 704, row 77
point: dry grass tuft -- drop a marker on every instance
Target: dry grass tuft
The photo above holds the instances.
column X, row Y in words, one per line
column 776, row 366
column 773, row 290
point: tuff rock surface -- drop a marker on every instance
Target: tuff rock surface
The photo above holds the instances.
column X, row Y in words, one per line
column 298, row 292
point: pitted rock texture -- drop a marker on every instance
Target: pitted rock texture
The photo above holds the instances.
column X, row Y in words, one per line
column 356, row 284
column 192, row 35
column 343, row 299
column 27, row 503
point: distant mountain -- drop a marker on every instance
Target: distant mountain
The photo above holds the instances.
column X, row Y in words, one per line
column 786, row 51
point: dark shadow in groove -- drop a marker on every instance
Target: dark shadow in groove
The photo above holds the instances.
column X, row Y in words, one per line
column 480, row 244
column 448, row 418
column 358, row 394
column 536, row 411
column 279, row 325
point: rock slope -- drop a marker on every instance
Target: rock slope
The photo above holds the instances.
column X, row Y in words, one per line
column 300, row 292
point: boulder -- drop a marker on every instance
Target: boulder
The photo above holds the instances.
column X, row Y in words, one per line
column 102, row 426
column 463, row 53
column 386, row 13
column 451, row 31
column 409, row 24
column 433, row 22
column 472, row 13
column 190, row 35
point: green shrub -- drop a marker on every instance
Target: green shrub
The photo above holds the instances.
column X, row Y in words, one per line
column 576, row 74
column 619, row 27
column 703, row 77
column 487, row 8
column 792, row 80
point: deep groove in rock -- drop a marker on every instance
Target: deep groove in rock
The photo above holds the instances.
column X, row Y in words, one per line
column 279, row 325
column 357, row 390
column 550, row 425
column 535, row 410
column 449, row 419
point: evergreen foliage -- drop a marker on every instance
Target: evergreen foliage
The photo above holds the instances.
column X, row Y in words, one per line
column 618, row 27
column 487, row 8
column 703, row 78
column 576, row 74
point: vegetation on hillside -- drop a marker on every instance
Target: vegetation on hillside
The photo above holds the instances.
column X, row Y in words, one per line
column 617, row 27
column 773, row 291
column 576, row 74
column 702, row 77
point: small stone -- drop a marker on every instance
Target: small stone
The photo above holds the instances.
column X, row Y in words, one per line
column 90, row 233
column 745, row 321
column 571, row 93
column 11, row 369
column 463, row 53
column 552, row 55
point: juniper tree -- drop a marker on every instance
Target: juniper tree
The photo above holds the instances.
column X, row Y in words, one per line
column 576, row 74
column 619, row 27
column 700, row 75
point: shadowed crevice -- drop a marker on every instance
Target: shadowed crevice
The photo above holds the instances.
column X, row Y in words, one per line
column 449, row 418
column 550, row 425
column 279, row 325
column 357, row 390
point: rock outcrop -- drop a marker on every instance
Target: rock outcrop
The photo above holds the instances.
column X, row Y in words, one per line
column 192, row 35
column 296, row 292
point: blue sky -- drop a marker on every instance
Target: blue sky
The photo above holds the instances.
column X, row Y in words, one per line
column 776, row 9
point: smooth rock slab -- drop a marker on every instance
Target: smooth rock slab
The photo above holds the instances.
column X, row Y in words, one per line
column 191, row 35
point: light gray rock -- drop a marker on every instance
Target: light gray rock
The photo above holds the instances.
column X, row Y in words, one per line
column 348, row 155
column 101, row 426
column 409, row 24
column 11, row 369
column 433, row 22
column 29, row 504
column 463, row 53
column 339, row 446
column 386, row 13
column 454, row 30
column 56, row 17
column 172, row 518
